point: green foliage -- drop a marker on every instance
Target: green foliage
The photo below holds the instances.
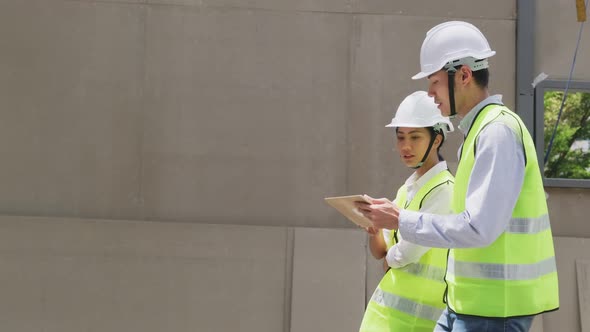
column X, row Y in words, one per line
column 564, row 161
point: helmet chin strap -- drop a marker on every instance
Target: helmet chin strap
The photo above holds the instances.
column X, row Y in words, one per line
column 432, row 138
column 451, row 74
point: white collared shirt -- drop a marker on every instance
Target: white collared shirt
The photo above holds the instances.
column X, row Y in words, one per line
column 494, row 186
column 437, row 201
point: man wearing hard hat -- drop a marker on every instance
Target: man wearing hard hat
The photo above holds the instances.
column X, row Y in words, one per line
column 501, row 268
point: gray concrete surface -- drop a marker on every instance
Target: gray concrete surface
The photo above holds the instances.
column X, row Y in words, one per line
column 100, row 275
column 568, row 317
column 167, row 110
column 91, row 275
column 556, row 34
column 328, row 280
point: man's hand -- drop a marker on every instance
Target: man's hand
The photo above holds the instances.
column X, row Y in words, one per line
column 382, row 212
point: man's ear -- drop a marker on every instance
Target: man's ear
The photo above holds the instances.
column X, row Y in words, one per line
column 466, row 74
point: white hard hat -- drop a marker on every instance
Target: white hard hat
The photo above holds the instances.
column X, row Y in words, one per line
column 418, row 110
column 452, row 41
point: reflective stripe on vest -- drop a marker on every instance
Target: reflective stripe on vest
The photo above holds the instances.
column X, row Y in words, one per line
column 407, row 306
column 425, row 271
column 528, row 225
column 501, row 271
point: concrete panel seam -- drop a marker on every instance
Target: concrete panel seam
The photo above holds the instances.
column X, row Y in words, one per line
column 321, row 12
column 289, row 253
column 110, row 2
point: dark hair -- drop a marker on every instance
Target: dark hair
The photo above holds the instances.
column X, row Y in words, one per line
column 433, row 133
column 482, row 77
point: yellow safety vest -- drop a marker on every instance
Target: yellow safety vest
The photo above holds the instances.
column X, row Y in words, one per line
column 410, row 299
column 516, row 275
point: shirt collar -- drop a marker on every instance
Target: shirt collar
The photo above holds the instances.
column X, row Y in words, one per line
column 414, row 180
column 467, row 120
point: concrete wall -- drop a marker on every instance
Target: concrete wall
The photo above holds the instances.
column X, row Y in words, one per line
column 63, row 274
column 171, row 157
column 171, row 110
column 98, row 275
column 556, row 34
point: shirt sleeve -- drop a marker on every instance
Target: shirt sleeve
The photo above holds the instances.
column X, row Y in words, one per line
column 404, row 252
column 492, row 192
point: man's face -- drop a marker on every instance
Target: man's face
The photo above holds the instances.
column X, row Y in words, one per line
column 438, row 88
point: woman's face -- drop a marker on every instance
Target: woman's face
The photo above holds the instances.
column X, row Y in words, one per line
column 412, row 144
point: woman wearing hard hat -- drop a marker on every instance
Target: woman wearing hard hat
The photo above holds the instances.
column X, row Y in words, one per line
column 501, row 268
column 409, row 297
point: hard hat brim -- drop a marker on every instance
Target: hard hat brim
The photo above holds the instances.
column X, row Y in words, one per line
column 421, row 75
column 406, row 125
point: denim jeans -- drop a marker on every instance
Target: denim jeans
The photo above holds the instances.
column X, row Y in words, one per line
column 451, row 321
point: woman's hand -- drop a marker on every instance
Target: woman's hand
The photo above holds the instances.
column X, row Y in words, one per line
column 372, row 230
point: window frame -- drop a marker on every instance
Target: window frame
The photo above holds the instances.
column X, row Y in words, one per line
column 539, row 107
